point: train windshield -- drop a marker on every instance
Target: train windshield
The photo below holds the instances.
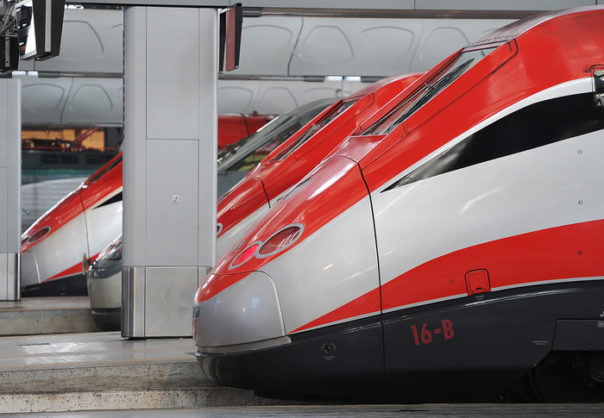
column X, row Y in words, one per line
column 336, row 111
column 430, row 89
column 257, row 136
column 262, row 145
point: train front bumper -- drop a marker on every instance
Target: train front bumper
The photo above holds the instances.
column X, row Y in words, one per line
column 241, row 316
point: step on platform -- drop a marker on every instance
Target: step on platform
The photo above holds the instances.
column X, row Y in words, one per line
column 47, row 315
column 102, row 371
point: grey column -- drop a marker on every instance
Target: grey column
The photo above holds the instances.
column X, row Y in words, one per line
column 10, row 188
column 170, row 130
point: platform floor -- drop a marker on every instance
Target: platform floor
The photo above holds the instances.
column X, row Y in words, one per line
column 99, row 371
column 103, row 375
column 47, row 315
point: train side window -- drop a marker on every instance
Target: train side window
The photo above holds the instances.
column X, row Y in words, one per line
column 534, row 126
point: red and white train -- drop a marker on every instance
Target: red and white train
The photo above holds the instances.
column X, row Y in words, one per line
column 245, row 202
column 78, row 227
column 85, row 221
column 451, row 249
column 248, row 199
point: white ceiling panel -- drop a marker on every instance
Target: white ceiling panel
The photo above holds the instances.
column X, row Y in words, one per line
column 99, row 101
column 93, row 99
column 284, row 45
column 91, row 43
column 379, row 47
column 500, row 5
column 348, row 4
column 43, row 100
column 236, row 97
column 267, row 44
column 274, row 97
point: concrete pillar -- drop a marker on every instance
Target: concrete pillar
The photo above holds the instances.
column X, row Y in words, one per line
column 10, row 188
column 170, row 131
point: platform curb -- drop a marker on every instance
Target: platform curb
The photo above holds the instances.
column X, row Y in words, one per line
column 132, row 399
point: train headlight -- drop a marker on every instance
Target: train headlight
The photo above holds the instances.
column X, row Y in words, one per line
column 245, row 255
column 281, row 240
column 277, row 242
column 40, row 233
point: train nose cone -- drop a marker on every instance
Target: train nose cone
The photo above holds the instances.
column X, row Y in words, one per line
column 30, row 274
column 245, row 312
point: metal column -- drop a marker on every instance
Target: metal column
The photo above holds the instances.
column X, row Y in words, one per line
column 170, row 130
column 10, row 188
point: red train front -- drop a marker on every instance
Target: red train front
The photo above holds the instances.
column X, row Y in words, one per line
column 287, row 164
column 445, row 252
column 78, row 227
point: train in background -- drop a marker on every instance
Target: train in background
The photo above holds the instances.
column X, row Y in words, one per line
column 246, row 201
column 78, row 227
column 451, row 250
column 104, row 285
column 236, row 160
column 74, row 231
column 231, row 128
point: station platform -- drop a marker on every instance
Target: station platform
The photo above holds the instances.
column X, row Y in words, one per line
column 46, row 315
column 103, row 371
column 101, row 374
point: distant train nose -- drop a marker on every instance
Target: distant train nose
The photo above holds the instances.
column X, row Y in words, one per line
column 246, row 312
column 53, row 246
column 30, row 274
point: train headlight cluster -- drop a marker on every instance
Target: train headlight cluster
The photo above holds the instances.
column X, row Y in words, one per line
column 277, row 242
column 280, row 240
column 245, row 255
column 40, row 233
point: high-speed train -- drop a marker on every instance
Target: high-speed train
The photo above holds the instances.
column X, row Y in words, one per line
column 89, row 218
column 104, row 284
column 451, row 250
column 78, row 227
column 245, row 202
column 231, row 128
column 236, row 160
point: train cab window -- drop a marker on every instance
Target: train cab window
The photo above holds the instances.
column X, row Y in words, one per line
column 248, row 162
column 265, row 131
column 430, row 89
column 106, row 169
column 336, row 111
column 534, row 126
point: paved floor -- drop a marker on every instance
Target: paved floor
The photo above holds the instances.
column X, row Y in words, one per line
column 99, row 348
column 369, row 411
column 93, row 362
column 98, row 371
column 103, row 375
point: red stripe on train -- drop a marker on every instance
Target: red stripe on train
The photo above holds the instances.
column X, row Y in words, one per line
column 565, row 252
column 71, row 271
